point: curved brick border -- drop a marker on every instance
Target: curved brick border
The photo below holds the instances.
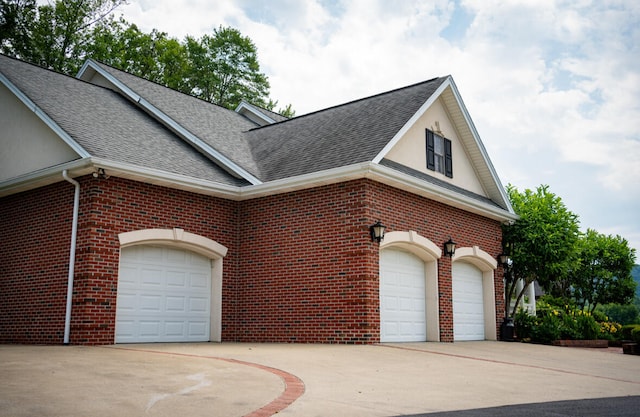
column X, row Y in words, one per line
column 293, row 386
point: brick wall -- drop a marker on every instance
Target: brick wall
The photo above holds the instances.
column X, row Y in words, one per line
column 309, row 271
column 36, row 279
column 35, row 234
column 300, row 268
column 307, row 267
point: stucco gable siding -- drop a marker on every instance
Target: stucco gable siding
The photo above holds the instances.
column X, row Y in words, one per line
column 27, row 143
column 410, row 150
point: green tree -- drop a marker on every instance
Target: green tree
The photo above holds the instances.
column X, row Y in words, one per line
column 53, row 35
column 224, row 69
column 153, row 56
column 541, row 243
column 16, row 17
column 602, row 273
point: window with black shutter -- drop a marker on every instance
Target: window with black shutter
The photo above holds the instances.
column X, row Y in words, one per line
column 439, row 155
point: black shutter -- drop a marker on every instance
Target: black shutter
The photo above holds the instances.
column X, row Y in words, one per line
column 431, row 164
column 448, row 160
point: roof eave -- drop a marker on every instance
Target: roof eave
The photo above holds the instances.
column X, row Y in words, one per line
column 383, row 175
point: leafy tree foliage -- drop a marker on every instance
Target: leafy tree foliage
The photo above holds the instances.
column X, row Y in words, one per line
column 224, row 69
column 153, row 56
column 602, row 273
column 53, row 35
column 541, row 243
column 221, row 68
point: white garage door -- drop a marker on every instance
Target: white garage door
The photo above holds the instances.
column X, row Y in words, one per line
column 402, row 297
column 164, row 295
column 468, row 306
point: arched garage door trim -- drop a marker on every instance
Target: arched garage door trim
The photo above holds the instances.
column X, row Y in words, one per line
column 429, row 252
column 179, row 238
column 487, row 264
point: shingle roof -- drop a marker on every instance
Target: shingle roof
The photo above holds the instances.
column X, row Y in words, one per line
column 107, row 125
column 217, row 126
column 436, row 181
column 339, row 136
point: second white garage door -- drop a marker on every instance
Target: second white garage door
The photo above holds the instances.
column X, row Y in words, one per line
column 402, row 297
column 164, row 295
column 468, row 305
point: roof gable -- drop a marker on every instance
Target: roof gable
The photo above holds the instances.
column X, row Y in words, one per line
column 27, row 141
column 348, row 134
column 473, row 170
column 105, row 125
column 213, row 130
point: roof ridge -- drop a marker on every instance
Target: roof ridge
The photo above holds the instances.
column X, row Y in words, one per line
column 395, row 90
column 157, row 83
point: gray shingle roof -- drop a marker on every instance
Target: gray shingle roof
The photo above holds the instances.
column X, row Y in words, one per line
column 339, row 136
column 217, row 126
column 107, row 125
column 436, row 181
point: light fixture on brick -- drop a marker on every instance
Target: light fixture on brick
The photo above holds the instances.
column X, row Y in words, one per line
column 377, row 231
column 449, row 248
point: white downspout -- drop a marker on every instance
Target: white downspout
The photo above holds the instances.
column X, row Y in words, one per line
column 72, row 255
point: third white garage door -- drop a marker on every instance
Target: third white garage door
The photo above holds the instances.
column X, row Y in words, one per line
column 468, row 305
column 402, row 297
column 164, row 295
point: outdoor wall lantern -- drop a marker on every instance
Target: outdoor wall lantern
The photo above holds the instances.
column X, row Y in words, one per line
column 377, row 231
column 504, row 259
column 449, row 248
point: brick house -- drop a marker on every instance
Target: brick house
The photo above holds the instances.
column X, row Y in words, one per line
column 130, row 212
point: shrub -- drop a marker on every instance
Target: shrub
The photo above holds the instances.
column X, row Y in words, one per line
column 627, row 331
column 610, row 330
column 586, row 325
column 547, row 329
column 524, row 324
column 623, row 314
column 558, row 319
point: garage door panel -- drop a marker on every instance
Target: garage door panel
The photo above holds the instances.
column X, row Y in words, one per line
column 200, row 305
column 175, row 304
column 151, row 277
column 199, row 280
column 168, row 301
column 468, row 303
column 402, row 297
column 176, row 279
column 147, row 253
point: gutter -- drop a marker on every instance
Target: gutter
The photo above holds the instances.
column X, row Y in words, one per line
column 72, row 255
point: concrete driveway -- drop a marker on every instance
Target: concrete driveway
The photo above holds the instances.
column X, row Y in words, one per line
column 229, row 379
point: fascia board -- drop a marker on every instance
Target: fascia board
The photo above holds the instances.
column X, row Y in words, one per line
column 413, row 120
column 246, row 106
column 44, row 176
column 82, row 153
column 224, row 162
column 166, row 179
column 381, row 174
column 483, row 150
column 301, row 182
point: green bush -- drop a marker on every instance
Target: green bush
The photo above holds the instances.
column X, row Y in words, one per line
column 547, row 329
column 524, row 324
column 557, row 319
column 623, row 314
column 588, row 327
column 631, row 332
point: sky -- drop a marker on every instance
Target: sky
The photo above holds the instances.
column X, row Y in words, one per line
column 552, row 86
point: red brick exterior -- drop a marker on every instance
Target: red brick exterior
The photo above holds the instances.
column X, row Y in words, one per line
column 300, row 266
